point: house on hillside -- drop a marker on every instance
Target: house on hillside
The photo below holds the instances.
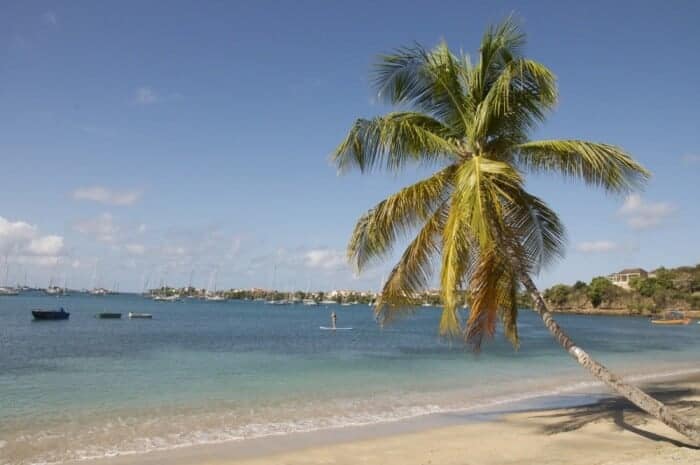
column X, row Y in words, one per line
column 622, row 278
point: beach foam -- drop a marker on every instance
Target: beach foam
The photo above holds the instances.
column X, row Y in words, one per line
column 183, row 430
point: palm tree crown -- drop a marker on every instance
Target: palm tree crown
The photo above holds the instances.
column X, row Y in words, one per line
column 473, row 218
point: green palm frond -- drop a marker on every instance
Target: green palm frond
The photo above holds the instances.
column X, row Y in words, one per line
column 429, row 81
column 601, row 165
column 500, row 45
column 392, row 141
column 413, row 271
column 539, row 234
column 520, row 98
column 378, row 229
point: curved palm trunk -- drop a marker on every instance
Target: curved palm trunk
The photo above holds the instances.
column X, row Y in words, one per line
column 635, row 395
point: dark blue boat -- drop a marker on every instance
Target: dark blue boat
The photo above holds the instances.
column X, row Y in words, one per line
column 60, row 314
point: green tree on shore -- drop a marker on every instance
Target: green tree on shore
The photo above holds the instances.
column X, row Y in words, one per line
column 599, row 290
column 473, row 217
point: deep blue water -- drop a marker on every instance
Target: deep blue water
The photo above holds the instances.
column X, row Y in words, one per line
column 207, row 371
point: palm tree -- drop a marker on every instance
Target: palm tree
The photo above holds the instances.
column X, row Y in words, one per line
column 473, row 217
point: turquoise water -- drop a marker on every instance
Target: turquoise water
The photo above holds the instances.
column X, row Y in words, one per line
column 203, row 372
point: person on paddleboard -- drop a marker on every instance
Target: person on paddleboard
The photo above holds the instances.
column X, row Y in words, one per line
column 334, row 318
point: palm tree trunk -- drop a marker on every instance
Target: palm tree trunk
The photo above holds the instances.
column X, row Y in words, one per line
column 635, row 395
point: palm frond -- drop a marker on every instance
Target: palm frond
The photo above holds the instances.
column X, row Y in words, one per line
column 413, row 271
column 393, row 140
column 520, row 98
column 378, row 229
column 428, row 81
column 601, row 165
column 539, row 234
column 485, row 297
column 499, row 45
column 476, row 214
column 508, row 307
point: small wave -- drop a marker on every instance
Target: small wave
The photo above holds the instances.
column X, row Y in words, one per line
column 253, row 430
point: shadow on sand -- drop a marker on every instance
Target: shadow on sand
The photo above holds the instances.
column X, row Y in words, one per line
column 624, row 414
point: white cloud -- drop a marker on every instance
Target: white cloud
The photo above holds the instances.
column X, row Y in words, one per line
column 101, row 228
column 640, row 214
column 326, row 259
column 691, row 158
column 50, row 17
column 135, row 249
column 23, row 242
column 145, row 96
column 47, row 245
column 597, row 247
column 107, row 196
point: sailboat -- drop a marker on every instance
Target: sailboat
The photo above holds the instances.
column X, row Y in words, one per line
column 272, row 301
column 6, row 289
column 53, row 289
column 213, row 296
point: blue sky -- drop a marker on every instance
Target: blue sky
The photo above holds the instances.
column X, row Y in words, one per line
column 146, row 141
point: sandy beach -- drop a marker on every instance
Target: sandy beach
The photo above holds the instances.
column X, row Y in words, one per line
column 609, row 431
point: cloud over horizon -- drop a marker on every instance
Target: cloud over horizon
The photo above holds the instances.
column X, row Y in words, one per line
column 326, row 259
column 23, row 242
column 640, row 214
column 107, row 196
column 102, row 228
column 597, row 247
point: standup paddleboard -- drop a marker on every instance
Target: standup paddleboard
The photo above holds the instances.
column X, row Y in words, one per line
column 326, row 328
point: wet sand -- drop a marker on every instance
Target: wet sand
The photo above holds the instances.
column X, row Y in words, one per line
column 608, row 431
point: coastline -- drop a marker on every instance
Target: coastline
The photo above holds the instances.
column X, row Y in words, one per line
column 608, row 429
column 607, row 311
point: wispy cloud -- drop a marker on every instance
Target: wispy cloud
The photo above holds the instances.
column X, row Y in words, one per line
column 691, row 158
column 597, row 247
column 326, row 259
column 49, row 17
column 107, row 196
column 102, row 228
column 145, row 96
column 641, row 214
column 135, row 249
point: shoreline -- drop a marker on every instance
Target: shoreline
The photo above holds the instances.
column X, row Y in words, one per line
column 518, row 418
column 693, row 314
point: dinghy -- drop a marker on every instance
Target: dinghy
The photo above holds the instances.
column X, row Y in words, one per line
column 133, row 315
column 108, row 316
column 60, row 314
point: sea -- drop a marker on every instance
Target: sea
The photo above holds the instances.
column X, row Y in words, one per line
column 209, row 372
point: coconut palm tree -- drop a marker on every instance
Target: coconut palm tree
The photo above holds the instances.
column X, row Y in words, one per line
column 473, row 218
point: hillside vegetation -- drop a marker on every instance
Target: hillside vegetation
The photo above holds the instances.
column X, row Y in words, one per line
column 677, row 288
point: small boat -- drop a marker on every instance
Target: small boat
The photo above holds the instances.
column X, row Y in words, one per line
column 9, row 291
column 310, row 302
column 108, row 316
column 146, row 316
column 674, row 317
column 60, row 314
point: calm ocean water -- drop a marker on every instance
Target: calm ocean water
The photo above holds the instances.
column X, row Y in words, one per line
column 203, row 372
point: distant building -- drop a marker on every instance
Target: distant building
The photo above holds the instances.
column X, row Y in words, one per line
column 622, row 278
